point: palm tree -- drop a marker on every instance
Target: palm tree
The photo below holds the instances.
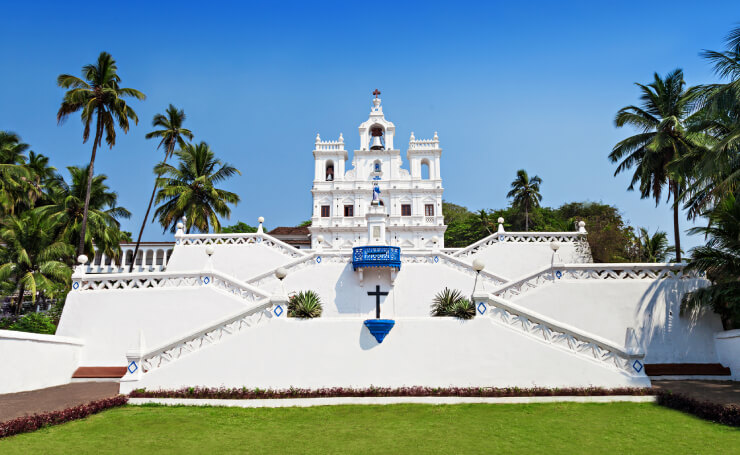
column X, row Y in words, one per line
column 654, row 248
column 720, row 260
column 31, row 256
column 14, row 176
column 717, row 166
column 171, row 133
column 67, row 211
column 99, row 98
column 663, row 138
column 526, row 194
column 188, row 189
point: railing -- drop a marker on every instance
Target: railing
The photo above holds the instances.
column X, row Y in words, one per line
column 239, row 239
column 219, row 281
column 559, row 335
column 424, row 144
column 617, row 271
column 522, row 237
column 376, row 256
column 329, row 146
column 150, row 258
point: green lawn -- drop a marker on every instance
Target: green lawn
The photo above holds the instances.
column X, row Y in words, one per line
column 478, row 428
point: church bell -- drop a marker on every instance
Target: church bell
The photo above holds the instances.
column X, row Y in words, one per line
column 377, row 144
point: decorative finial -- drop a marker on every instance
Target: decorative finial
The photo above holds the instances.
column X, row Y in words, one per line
column 413, row 138
column 341, row 138
column 376, row 93
column 318, row 138
column 436, row 138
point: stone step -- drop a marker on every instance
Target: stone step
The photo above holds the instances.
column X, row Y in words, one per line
column 686, row 369
column 98, row 374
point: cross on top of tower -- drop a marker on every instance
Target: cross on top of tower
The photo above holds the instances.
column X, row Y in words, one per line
column 376, row 93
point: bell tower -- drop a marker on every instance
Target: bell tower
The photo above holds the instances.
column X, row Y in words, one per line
column 376, row 133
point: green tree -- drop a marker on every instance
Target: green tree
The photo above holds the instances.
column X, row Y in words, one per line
column 720, row 260
column 66, row 211
column 525, row 193
column 189, row 190
column 661, row 118
column 100, row 100
column 14, row 188
column 32, row 257
column 653, row 248
column 239, row 227
column 717, row 166
column 170, row 134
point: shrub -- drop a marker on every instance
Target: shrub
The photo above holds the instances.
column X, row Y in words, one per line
column 463, row 309
column 245, row 393
column 36, row 421
column 450, row 302
column 304, row 305
column 34, row 323
column 726, row 414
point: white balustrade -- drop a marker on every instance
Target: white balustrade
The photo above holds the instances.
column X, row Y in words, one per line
column 240, row 239
column 150, row 258
column 158, row 280
column 617, row 271
column 523, row 237
column 559, row 335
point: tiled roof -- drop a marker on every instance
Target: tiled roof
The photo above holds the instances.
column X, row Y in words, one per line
column 287, row 230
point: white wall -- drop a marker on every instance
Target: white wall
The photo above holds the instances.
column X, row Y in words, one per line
column 417, row 352
column 109, row 321
column 33, row 361
column 514, row 259
column 651, row 307
column 240, row 261
column 728, row 351
column 411, row 295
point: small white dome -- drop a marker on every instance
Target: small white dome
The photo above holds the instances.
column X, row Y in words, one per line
column 261, row 219
column 281, row 272
column 82, row 259
column 554, row 245
column 210, row 249
column 478, row 265
column 501, row 220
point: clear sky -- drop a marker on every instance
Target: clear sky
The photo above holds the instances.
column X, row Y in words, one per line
column 507, row 85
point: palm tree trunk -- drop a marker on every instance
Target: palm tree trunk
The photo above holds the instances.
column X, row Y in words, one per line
column 19, row 302
column 526, row 219
column 146, row 216
column 83, row 230
column 676, row 231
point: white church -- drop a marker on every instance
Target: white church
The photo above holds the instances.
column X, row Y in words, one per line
column 213, row 311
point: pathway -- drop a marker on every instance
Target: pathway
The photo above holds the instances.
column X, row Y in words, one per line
column 723, row 392
column 19, row 404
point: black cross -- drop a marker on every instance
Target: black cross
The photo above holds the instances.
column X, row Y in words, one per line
column 377, row 295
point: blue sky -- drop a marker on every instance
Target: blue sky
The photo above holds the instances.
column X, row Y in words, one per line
column 507, row 85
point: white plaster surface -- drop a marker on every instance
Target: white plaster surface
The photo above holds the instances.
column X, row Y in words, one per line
column 418, row 352
column 109, row 321
column 513, row 259
column 728, row 351
column 240, row 261
column 334, row 401
column 652, row 307
column 31, row 361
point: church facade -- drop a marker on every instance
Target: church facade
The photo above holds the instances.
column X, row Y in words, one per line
column 409, row 199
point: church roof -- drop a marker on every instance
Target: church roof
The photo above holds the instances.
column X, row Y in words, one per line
column 288, row 230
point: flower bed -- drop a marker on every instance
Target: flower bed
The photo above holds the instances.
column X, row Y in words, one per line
column 250, row 394
column 36, row 421
column 721, row 413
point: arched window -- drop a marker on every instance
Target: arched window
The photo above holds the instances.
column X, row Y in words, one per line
column 329, row 171
column 425, row 169
column 129, row 257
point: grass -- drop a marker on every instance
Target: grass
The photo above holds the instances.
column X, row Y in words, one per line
column 571, row 428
